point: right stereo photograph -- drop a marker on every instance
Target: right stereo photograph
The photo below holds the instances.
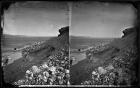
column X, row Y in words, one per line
column 103, row 44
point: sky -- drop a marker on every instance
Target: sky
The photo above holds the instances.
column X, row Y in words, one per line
column 96, row 19
column 93, row 19
column 35, row 18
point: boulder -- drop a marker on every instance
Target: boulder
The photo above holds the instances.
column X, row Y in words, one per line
column 101, row 70
column 109, row 67
column 35, row 69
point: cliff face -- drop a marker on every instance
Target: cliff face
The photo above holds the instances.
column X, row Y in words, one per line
column 62, row 41
column 64, row 30
column 128, row 40
column 63, row 38
column 128, row 31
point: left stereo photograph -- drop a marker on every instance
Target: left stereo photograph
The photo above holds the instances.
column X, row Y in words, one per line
column 35, row 43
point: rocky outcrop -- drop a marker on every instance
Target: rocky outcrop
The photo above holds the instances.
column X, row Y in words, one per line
column 63, row 31
column 63, row 38
column 60, row 42
column 128, row 31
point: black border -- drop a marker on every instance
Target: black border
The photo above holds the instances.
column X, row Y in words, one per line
column 4, row 4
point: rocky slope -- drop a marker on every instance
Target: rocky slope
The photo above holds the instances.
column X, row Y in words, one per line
column 111, row 65
column 37, row 55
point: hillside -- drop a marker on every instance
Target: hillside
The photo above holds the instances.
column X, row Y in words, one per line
column 8, row 42
column 84, row 42
column 16, row 71
column 119, row 56
column 13, row 39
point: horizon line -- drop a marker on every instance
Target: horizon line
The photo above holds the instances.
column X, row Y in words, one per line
column 91, row 36
column 26, row 35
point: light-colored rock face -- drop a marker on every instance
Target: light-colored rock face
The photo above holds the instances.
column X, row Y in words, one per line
column 94, row 73
column 28, row 72
column 44, row 65
column 35, row 69
column 109, row 67
column 45, row 73
column 67, row 71
column 101, row 70
column 52, row 69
